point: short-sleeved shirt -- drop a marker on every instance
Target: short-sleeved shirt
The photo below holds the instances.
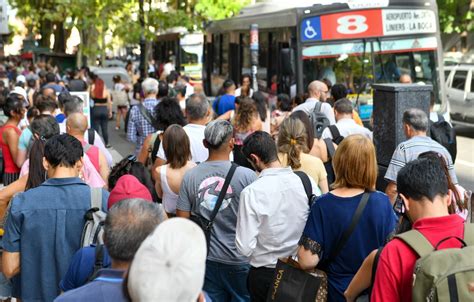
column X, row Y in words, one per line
column 198, row 195
column 195, row 133
column 394, row 278
column 310, row 165
column 44, row 225
column 106, row 287
column 224, row 103
column 82, row 267
column 346, row 127
column 330, row 216
column 25, row 139
column 411, row 149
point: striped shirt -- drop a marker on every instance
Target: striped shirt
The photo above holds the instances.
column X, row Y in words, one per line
column 411, row 149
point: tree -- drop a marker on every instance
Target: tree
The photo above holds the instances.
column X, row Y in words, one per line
column 456, row 16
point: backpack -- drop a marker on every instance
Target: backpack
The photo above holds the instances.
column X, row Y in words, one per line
column 337, row 139
column 319, row 120
column 442, row 275
column 119, row 97
column 442, row 132
column 98, row 263
column 93, row 230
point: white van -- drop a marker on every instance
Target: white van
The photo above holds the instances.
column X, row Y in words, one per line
column 460, row 93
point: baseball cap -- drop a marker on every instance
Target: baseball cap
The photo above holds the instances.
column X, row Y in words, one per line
column 170, row 263
column 128, row 186
column 20, row 78
column 20, row 91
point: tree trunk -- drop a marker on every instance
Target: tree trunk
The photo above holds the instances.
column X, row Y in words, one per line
column 46, row 28
column 60, row 38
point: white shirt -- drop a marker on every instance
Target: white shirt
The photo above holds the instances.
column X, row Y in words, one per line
column 346, row 127
column 189, row 90
column 195, row 132
column 272, row 215
column 238, row 92
column 308, row 107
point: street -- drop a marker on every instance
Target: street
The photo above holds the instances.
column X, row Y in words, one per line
column 465, row 159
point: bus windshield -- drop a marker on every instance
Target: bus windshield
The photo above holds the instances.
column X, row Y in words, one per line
column 359, row 64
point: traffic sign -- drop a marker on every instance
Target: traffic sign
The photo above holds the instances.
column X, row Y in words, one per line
column 311, row 29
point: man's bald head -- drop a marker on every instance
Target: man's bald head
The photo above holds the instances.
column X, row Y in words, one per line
column 76, row 124
column 405, row 79
column 318, row 90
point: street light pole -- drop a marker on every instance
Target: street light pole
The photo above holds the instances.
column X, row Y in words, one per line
column 142, row 40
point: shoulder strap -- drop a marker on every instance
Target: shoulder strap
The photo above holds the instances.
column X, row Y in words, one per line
column 96, row 198
column 99, row 261
column 318, row 106
column 374, row 265
column 440, row 118
column 308, row 188
column 156, row 146
column 91, row 135
column 222, row 193
column 330, row 147
column 469, row 233
column 146, row 114
column 87, row 147
column 347, row 233
column 417, row 242
column 336, row 135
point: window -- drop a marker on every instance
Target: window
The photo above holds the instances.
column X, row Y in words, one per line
column 459, row 80
column 472, row 82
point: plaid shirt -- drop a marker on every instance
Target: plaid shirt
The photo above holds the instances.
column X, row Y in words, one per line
column 138, row 127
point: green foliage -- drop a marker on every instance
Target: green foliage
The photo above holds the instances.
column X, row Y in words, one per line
column 219, row 9
column 456, row 16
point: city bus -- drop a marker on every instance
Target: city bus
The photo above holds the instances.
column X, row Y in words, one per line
column 356, row 43
column 183, row 49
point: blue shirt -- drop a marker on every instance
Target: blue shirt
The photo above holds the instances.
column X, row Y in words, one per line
column 106, row 287
column 224, row 103
column 82, row 267
column 44, row 225
column 138, row 127
column 330, row 216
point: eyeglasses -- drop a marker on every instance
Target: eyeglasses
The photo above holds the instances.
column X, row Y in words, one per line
column 399, row 206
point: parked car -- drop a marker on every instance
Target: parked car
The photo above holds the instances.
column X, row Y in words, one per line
column 460, row 93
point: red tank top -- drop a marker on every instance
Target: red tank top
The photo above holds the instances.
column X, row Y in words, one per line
column 10, row 166
column 93, row 154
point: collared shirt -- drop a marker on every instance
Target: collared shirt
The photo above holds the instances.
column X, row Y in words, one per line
column 411, row 149
column 272, row 214
column 308, row 107
column 138, row 127
column 346, row 127
column 44, row 225
column 195, row 133
column 106, row 287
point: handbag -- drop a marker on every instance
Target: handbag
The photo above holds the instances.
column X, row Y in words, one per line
column 206, row 224
column 291, row 283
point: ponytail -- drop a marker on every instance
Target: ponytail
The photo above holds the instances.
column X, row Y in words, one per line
column 292, row 141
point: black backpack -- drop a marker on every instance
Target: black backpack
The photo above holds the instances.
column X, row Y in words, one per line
column 319, row 120
column 442, row 132
column 337, row 139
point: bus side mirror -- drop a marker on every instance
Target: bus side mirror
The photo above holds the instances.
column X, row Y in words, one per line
column 287, row 62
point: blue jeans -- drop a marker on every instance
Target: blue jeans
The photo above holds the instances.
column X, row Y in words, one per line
column 226, row 283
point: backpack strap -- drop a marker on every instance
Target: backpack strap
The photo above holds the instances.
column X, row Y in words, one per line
column 469, row 233
column 144, row 112
column 440, row 118
column 318, row 106
column 156, row 147
column 330, row 147
column 91, row 135
column 336, row 135
column 98, row 263
column 417, row 242
column 86, row 147
column 375, row 264
column 96, row 198
column 308, row 188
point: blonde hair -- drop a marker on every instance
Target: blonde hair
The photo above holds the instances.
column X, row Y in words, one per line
column 355, row 164
column 292, row 141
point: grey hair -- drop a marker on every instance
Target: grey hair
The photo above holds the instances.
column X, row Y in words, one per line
column 218, row 132
column 74, row 105
column 197, row 107
column 416, row 119
column 128, row 223
column 150, row 86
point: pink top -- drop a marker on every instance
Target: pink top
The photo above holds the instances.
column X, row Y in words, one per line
column 88, row 173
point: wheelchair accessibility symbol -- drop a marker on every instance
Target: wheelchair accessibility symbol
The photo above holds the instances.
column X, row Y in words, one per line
column 311, row 29
column 309, row 32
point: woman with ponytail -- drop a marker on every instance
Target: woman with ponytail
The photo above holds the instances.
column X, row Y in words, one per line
column 292, row 149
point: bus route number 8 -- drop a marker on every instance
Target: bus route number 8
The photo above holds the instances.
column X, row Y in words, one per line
column 352, row 24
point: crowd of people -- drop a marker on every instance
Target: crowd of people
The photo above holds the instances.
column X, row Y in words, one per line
column 214, row 195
